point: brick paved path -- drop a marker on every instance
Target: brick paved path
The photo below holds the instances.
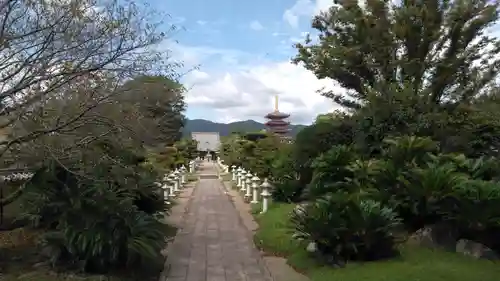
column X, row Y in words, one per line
column 213, row 244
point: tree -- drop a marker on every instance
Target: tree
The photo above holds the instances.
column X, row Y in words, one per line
column 159, row 98
column 436, row 50
column 318, row 138
column 50, row 49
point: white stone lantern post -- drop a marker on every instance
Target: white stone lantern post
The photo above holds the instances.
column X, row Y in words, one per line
column 265, row 195
column 163, row 186
column 178, row 173
column 183, row 174
column 238, row 177
column 248, row 194
column 243, row 181
column 170, row 187
column 175, row 179
column 191, row 166
column 255, row 189
column 173, row 184
column 233, row 171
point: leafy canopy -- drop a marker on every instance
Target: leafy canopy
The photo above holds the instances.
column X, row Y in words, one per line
column 439, row 50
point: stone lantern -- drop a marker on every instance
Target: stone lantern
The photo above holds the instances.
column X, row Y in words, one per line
column 179, row 178
column 243, row 180
column 238, row 177
column 233, row 171
column 183, row 175
column 265, row 195
column 176, row 180
column 191, row 166
column 255, row 189
column 173, row 184
column 163, row 186
column 248, row 194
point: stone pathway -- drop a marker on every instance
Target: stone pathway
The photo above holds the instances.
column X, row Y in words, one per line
column 213, row 244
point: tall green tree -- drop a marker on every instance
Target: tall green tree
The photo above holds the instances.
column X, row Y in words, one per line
column 434, row 51
column 160, row 100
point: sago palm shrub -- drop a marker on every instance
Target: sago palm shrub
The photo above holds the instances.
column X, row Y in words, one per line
column 104, row 216
column 330, row 171
column 427, row 193
column 348, row 227
column 473, row 208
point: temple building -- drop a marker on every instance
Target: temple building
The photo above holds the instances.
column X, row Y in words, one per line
column 277, row 123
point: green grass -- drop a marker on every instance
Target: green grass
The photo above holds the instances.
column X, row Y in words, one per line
column 233, row 186
column 227, row 177
column 415, row 264
column 192, row 177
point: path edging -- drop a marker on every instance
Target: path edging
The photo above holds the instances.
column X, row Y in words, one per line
column 182, row 212
column 277, row 267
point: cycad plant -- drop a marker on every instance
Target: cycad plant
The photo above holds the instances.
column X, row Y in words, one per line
column 330, row 171
column 104, row 216
column 427, row 193
column 409, row 149
column 348, row 227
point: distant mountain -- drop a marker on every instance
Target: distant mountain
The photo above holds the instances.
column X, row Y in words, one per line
column 201, row 125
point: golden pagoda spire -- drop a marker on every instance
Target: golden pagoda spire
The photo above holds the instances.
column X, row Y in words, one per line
column 276, row 103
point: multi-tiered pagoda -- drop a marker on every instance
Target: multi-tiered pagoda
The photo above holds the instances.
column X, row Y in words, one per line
column 277, row 123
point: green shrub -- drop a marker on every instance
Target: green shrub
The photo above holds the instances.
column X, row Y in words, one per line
column 476, row 204
column 408, row 150
column 101, row 217
column 283, row 164
column 314, row 140
column 285, row 180
column 330, row 171
column 425, row 195
column 289, row 190
column 473, row 208
column 484, row 168
column 348, row 227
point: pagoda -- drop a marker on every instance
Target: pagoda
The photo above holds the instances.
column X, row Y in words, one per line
column 277, row 123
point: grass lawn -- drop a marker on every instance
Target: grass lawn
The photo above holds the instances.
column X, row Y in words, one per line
column 415, row 264
column 227, row 177
column 191, row 177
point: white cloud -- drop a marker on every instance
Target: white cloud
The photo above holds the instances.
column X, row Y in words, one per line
column 256, row 25
column 276, row 34
column 305, row 9
column 309, row 8
column 247, row 91
column 322, row 5
column 291, row 18
column 201, row 22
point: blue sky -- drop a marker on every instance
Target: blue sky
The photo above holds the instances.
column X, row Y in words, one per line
column 239, row 56
column 228, row 24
